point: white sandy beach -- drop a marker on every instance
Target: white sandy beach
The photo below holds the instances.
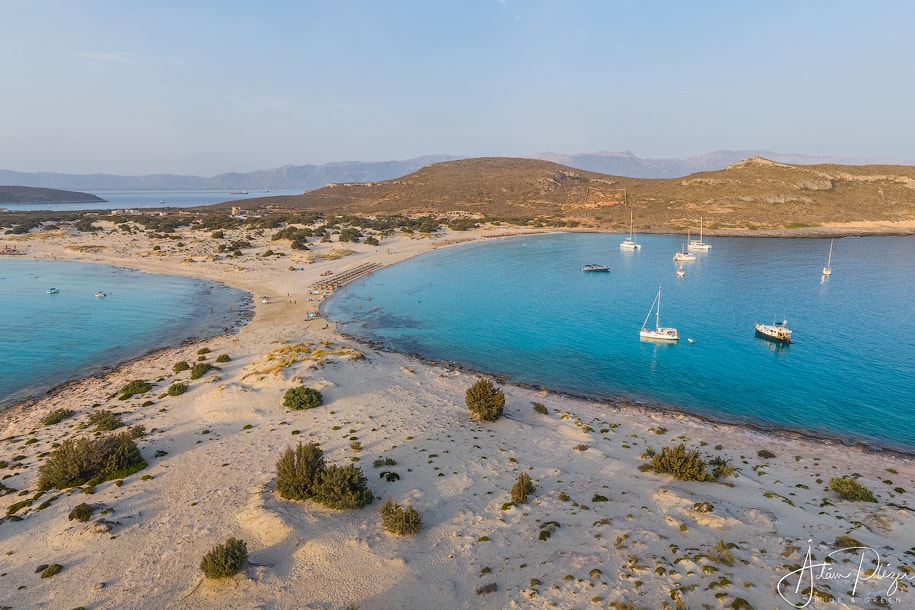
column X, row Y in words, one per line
column 212, row 456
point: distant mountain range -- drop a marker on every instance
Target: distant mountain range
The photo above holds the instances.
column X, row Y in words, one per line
column 310, row 177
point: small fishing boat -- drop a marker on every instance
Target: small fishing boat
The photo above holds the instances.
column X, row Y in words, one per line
column 777, row 331
column 660, row 333
column 53, row 291
column 680, row 272
column 594, row 267
column 690, row 339
column 100, row 295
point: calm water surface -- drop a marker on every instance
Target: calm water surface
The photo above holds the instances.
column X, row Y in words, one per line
column 523, row 309
column 46, row 339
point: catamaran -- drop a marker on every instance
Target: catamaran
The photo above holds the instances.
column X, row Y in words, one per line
column 698, row 244
column 628, row 243
column 660, row 333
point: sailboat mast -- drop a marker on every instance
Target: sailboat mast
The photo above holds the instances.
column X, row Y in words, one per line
column 657, row 315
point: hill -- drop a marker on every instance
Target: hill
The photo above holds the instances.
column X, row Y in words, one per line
column 754, row 194
column 27, row 194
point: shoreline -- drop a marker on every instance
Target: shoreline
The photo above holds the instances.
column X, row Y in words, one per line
column 211, row 474
column 624, row 402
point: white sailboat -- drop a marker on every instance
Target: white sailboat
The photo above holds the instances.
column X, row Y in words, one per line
column 660, row 333
column 628, row 243
column 827, row 270
column 698, row 244
column 684, row 255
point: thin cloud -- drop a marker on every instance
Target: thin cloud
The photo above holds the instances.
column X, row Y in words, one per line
column 107, row 58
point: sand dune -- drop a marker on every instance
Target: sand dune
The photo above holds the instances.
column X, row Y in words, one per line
column 615, row 533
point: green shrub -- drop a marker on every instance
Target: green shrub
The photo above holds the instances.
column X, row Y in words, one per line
column 302, row 398
column 485, row 401
column 105, row 420
column 765, row 454
column 57, row 416
column 203, row 350
column 223, row 358
column 399, row 520
column 200, row 369
column 177, row 389
column 81, row 512
column 137, row 386
column 225, row 560
column 79, row 460
column 51, row 570
column 181, row 366
column 343, row 487
column 522, row 488
column 298, row 471
column 680, row 463
column 539, row 407
column 851, row 489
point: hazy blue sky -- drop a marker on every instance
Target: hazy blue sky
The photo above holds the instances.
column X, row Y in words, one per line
column 205, row 87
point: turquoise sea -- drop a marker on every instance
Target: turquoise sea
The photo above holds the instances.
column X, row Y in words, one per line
column 47, row 339
column 521, row 309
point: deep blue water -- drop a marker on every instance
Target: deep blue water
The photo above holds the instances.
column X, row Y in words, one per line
column 153, row 199
column 47, row 339
column 521, row 308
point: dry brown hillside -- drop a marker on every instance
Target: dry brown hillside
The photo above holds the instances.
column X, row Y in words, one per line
column 753, row 195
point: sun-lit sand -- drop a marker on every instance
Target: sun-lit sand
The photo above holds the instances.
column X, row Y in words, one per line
column 597, row 531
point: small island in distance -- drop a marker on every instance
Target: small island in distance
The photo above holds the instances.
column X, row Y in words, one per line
column 28, row 194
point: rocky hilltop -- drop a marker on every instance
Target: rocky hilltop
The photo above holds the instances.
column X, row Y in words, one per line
column 28, row 194
column 755, row 194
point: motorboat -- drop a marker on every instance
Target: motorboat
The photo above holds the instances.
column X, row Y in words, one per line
column 777, row 331
column 594, row 267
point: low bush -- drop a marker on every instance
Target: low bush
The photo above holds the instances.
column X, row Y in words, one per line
column 539, row 407
column 57, row 416
column 343, row 487
column 80, row 512
column 851, row 489
column 105, row 420
column 522, row 488
column 399, row 520
column 181, row 366
column 76, row 461
column 485, row 401
column 177, row 389
column 51, row 570
column 200, row 369
column 223, row 358
column 302, row 398
column 680, row 463
column 225, row 560
column 137, row 386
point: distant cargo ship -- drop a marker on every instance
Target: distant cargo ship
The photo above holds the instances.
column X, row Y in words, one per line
column 238, row 192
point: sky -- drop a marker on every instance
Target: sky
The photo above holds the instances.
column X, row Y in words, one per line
column 203, row 87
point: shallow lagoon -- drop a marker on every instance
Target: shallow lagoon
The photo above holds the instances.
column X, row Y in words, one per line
column 521, row 308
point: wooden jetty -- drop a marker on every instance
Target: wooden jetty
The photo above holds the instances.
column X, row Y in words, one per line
column 338, row 279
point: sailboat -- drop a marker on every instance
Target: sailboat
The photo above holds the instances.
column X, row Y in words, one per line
column 628, row 243
column 660, row 333
column 684, row 255
column 698, row 244
column 827, row 270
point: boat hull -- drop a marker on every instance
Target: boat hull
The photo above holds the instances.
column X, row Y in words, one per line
column 595, row 268
column 777, row 333
column 660, row 334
